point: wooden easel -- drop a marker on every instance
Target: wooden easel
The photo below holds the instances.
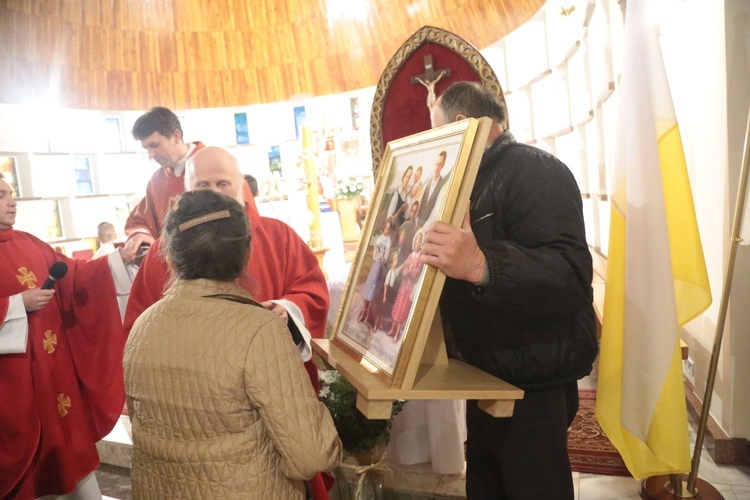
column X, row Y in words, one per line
column 434, row 377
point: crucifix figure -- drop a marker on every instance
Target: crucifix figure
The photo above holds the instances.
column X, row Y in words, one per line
column 429, row 78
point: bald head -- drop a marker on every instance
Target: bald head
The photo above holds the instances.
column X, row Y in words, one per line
column 215, row 169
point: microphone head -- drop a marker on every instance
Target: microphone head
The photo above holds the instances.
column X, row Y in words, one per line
column 58, row 270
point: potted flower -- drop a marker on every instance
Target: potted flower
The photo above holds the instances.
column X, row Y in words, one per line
column 348, row 201
column 362, row 438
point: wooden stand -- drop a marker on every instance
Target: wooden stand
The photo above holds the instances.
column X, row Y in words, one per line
column 437, row 377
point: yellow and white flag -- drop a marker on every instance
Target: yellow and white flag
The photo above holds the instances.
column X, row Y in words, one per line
column 656, row 274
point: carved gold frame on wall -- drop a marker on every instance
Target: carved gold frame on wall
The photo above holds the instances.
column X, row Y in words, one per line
column 426, row 34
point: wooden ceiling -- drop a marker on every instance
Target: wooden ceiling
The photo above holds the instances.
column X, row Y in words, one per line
column 135, row 54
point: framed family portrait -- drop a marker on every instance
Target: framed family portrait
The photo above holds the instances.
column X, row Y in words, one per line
column 390, row 297
column 10, row 173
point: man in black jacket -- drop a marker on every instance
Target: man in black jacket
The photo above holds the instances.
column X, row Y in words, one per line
column 517, row 304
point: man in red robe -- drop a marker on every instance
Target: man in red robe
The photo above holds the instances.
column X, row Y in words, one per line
column 284, row 274
column 60, row 365
column 160, row 133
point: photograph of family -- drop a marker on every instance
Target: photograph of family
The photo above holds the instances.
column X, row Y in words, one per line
column 389, row 280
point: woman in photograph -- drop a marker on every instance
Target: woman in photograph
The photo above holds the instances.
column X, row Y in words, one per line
column 398, row 207
column 220, row 403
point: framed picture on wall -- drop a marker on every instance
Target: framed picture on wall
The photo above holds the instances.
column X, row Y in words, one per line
column 390, row 298
column 299, row 120
column 10, row 173
column 51, row 218
column 82, row 168
column 40, row 218
column 274, row 160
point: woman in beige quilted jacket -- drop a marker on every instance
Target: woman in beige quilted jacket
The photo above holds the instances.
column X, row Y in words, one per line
column 220, row 403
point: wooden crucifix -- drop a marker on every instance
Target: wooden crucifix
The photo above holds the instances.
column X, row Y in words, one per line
column 429, row 78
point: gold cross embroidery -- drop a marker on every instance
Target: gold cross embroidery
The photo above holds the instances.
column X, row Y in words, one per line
column 26, row 277
column 63, row 402
column 49, row 342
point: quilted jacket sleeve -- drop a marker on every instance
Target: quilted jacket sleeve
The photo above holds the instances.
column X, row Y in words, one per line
column 300, row 427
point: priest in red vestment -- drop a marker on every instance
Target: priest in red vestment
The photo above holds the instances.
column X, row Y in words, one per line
column 60, row 365
column 160, row 133
column 283, row 273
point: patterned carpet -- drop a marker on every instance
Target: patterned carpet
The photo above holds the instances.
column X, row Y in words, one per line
column 589, row 449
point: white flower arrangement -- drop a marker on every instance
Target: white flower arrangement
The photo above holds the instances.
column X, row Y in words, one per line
column 350, row 188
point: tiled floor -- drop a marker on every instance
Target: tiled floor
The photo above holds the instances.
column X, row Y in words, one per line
column 418, row 482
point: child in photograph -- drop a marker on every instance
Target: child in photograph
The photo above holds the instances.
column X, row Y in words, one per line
column 410, row 225
column 415, row 191
column 404, row 245
column 390, row 289
column 381, row 248
column 410, row 271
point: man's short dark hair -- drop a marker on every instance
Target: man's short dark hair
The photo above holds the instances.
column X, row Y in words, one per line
column 217, row 249
column 156, row 119
column 253, row 183
column 472, row 100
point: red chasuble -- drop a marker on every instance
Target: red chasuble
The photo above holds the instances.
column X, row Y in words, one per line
column 281, row 266
column 66, row 391
column 162, row 191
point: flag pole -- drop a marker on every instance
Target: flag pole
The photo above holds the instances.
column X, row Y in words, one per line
column 733, row 241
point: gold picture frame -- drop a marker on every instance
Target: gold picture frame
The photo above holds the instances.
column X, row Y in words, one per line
column 387, row 286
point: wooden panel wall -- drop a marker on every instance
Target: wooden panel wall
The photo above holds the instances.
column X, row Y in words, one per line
column 135, row 54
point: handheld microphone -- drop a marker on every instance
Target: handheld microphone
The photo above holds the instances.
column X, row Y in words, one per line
column 56, row 272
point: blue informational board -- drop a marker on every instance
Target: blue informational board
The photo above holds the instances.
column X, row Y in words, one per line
column 240, row 128
column 82, row 168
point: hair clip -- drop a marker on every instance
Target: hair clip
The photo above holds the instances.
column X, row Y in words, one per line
column 222, row 214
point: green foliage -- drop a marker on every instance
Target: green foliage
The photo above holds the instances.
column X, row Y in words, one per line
column 357, row 433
